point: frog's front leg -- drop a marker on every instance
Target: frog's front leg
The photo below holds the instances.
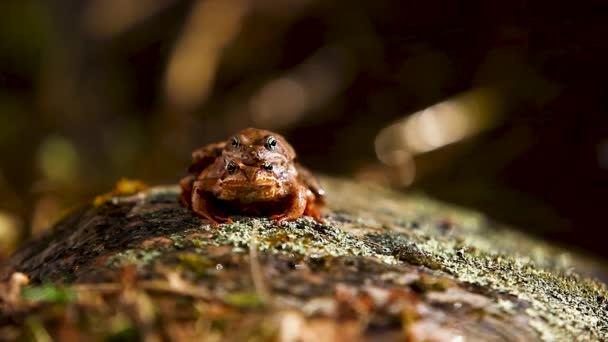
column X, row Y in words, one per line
column 296, row 208
column 186, row 185
column 202, row 207
column 313, row 206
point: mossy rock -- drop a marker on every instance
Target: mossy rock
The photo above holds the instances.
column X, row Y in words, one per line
column 384, row 266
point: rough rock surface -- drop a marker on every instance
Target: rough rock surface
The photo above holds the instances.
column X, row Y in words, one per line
column 385, row 266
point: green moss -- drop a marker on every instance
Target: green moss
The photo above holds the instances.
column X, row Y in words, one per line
column 562, row 306
column 48, row 293
column 244, row 300
column 127, row 334
column 521, row 274
column 499, row 261
column 195, row 263
column 303, row 236
column 443, row 239
column 121, row 329
column 36, row 330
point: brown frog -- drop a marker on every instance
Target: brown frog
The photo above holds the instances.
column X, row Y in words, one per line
column 256, row 173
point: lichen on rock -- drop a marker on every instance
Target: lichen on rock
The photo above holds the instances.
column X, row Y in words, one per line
column 384, row 266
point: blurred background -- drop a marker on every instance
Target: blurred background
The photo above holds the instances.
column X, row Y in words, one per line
column 498, row 106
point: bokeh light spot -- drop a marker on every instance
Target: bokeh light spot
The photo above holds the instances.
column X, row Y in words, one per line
column 58, row 159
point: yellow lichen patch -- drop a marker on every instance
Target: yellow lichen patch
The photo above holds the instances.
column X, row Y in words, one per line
column 194, row 263
column 123, row 187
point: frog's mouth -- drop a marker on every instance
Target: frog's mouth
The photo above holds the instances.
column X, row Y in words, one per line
column 235, row 184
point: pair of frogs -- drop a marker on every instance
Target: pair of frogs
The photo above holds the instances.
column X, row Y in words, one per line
column 254, row 173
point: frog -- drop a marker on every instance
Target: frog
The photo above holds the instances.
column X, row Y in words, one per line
column 255, row 172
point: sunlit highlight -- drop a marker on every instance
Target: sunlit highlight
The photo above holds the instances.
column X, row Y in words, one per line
column 284, row 100
column 106, row 18
column 192, row 67
column 58, row 159
column 283, row 97
column 440, row 125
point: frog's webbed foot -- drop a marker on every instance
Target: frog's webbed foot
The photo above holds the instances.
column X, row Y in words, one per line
column 283, row 217
column 216, row 220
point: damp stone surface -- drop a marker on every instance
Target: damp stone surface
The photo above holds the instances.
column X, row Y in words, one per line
column 383, row 266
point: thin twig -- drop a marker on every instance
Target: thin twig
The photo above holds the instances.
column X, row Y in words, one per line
column 257, row 276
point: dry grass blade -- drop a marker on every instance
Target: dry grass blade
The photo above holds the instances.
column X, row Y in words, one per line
column 257, row 276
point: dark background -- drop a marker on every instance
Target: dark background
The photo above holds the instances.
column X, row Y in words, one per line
column 92, row 91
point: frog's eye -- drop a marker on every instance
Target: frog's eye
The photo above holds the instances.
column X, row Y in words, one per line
column 267, row 166
column 235, row 141
column 271, row 143
column 231, row 167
